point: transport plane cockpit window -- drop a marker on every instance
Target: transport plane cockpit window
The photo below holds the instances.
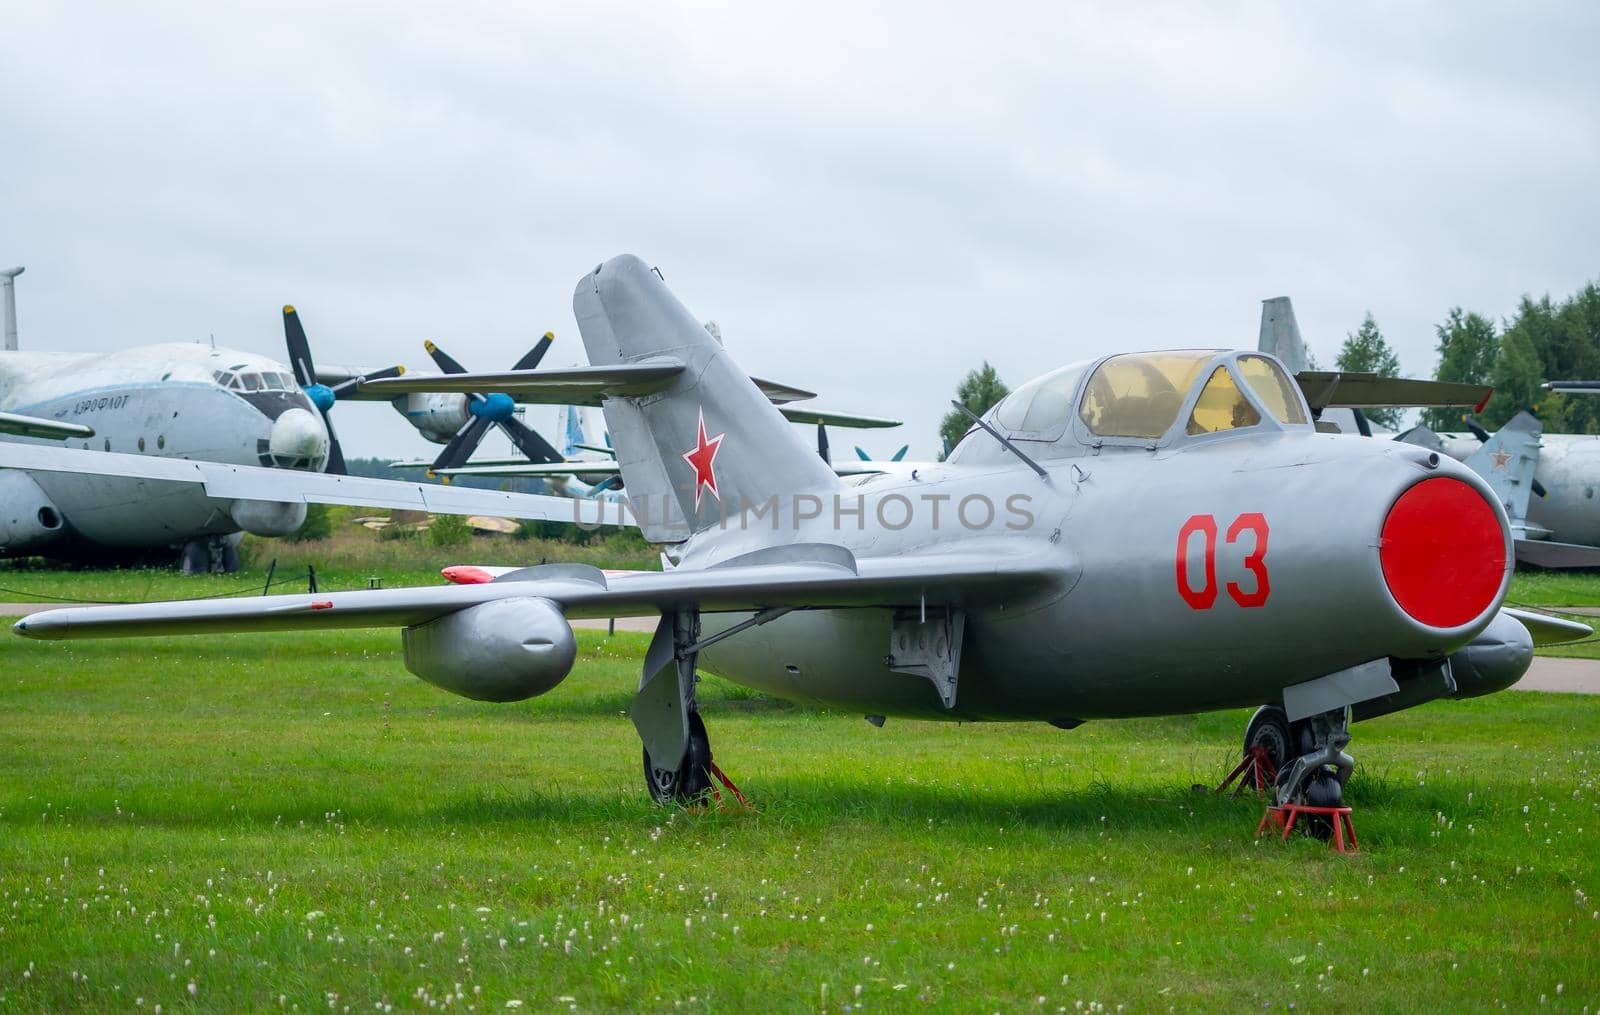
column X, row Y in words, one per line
column 1222, row 406
column 1140, row 394
column 1273, row 387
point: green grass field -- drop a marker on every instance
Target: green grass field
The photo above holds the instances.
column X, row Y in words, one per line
column 255, row 822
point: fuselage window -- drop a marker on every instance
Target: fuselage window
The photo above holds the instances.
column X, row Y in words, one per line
column 1273, row 388
column 1222, row 406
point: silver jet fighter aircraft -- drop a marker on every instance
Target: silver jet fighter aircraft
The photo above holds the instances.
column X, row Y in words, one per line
column 1144, row 534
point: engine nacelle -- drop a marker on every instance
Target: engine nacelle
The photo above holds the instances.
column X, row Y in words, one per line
column 1494, row 660
column 268, row 517
column 28, row 518
column 505, row 650
column 436, row 416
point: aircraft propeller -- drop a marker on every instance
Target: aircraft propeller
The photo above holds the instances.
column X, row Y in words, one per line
column 322, row 395
column 491, row 409
column 897, row 456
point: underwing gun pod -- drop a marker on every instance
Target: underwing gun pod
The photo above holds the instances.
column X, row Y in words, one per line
column 1141, row 534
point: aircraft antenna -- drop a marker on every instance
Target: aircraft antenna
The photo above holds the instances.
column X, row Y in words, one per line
column 10, row 277
column 992, row 432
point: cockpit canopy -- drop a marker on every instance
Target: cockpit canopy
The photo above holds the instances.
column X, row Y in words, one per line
column 1143, row 397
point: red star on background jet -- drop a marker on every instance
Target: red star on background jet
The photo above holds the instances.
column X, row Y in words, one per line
column 1501, row 458
column 702, row 459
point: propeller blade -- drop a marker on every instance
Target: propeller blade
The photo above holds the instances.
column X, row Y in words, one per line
column 900, row 454
column 531, row 358
column 822, row 443
column 443, row 359
column 336, row 466
column 530, row 443
column 463, row 444
column 1538, row 489
column 1477, row 429
column 862, row 454
column 350, row 385
column 294, row 336
column 605, row 484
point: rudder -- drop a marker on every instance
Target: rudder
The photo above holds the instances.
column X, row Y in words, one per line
column 709, row 446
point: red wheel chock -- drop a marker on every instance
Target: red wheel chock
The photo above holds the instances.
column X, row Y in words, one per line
column 732, row 789
column 1284, row 817
column 1256, row 771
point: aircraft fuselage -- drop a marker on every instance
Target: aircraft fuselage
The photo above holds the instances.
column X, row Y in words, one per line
column 1127, row 630
column 173, row 400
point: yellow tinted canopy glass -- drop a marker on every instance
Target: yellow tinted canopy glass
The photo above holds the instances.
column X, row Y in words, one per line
column 1222, row 406
column 1273, row 387
column 1140, row 394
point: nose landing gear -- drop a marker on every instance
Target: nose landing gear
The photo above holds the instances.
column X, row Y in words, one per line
column 1307, row 757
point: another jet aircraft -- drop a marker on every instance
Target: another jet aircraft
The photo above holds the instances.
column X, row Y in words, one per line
column 1142, row 534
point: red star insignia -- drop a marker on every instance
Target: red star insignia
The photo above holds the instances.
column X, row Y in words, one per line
column 1501, row 458
column 702, row 459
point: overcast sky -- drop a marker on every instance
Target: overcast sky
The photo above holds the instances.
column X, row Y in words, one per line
column 868, row 199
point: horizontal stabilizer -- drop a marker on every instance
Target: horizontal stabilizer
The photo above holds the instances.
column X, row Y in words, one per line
column 527, row 468
column 1548, row 630
column 557, row 386
column 780, row 394
column 848, row 420
column 1332, row 388
column 934, row 579
column 33, row 426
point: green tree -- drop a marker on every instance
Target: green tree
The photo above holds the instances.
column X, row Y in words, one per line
column 1366, row 351
column 449, row 530
column 1546, row 341
column 978, row 391
column 1468, row 350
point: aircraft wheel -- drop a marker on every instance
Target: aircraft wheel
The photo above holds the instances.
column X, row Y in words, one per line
column 1269, row 728
column 692, row 778
column 230, row 558
column 194, row 558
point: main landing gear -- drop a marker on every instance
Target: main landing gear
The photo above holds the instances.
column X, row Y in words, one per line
column 213, row 555
column 690, row 779
column 677, row 752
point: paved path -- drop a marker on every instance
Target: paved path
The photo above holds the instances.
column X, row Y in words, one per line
column 1575, row 676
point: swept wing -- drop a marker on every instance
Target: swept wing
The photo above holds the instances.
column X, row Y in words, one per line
column 834, row 579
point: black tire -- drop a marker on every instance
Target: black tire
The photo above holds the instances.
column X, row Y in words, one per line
column 230, row 557
column 1269, row 728
column 691, row 780
column 194, row 558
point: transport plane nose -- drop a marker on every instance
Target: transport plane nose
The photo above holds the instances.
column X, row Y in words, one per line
column 299, row 440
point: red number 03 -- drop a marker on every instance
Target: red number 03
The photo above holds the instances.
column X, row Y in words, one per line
column 1205, row 526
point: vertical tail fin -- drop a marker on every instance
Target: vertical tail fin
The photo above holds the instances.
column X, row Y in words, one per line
column 1280, row 335
column 1507, row 461
column 708, row 447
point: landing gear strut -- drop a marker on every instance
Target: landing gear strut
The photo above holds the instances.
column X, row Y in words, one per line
column 214, row 555
column 1320, row 768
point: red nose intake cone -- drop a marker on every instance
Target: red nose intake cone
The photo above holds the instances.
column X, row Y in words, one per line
column 1443, row 552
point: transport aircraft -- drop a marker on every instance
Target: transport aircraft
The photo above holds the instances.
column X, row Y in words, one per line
column 1141, row 534
column 71, row 421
